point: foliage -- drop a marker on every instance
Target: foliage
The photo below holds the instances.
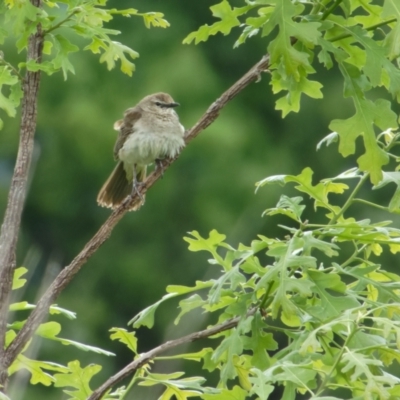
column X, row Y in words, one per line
column 64, row 24
column 318, row 315
column 360, row 37
column 46, row 372
column 328, row 315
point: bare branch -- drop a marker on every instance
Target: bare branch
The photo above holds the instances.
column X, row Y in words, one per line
column 16, row 197
column 146, row 357
column 66, row 275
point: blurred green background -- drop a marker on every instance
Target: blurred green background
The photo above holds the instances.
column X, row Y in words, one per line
column 211, row 186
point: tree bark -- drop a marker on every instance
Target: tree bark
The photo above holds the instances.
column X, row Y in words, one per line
column 16, row 196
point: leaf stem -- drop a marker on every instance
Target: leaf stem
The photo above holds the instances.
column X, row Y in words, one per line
column 369, row 203
column 129, row 387
column 16, row 72
column 329, row 11
column 323, row 384
column 369, row 28
column 353, row 256
column 349, row 201
column 266, row 295
column 56, row 26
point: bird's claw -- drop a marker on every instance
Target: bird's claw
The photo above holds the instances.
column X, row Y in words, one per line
column 160, row 166
column 136, row 189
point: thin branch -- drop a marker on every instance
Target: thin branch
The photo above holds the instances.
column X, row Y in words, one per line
column 146, row 357
column 59, row 24
column 16, row 196
column 349, row 201
column 368, row 203
column 16, row 72
column 66, row 275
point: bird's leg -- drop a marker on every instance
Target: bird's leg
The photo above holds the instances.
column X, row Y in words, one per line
column 136, row 184
column 160, row 166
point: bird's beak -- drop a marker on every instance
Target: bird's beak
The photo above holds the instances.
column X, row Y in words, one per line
column 172, row 105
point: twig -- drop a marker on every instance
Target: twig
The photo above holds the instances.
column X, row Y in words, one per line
column 66, row 275
column 59, row 24
column 13, row 69
column 146, row 357
column 16, row 197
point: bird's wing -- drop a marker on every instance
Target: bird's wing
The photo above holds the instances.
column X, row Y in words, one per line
column 125, row 128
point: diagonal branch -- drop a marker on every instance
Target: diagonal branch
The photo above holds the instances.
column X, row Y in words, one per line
column 146, row 357
column 66, row 275
column 16, row 197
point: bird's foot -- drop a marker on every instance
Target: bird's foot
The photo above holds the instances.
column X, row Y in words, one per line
column 136, row 189
column 160, row 166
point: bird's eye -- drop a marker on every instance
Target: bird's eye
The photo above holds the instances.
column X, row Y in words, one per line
column 157, row 103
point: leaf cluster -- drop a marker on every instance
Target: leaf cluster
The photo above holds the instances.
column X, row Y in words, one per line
column 314, row 317
column 47, row 372
column 361, row 38
column 63, row 26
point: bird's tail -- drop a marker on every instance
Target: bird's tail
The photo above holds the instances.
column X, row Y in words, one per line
column 118, row 187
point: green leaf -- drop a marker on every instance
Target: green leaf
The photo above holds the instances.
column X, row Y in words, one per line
column 392, row 40
column 329, row 306
column 37, row 369
column 22, row 14
column 77, row 378
column 260, row 385
column 116, row 51
column 180, row 388
column 389, row 177
column 328, row 140
column 375, row 61
column 45, row 66
column 318, row 192
column 63, row 48
column 189, row 304
column 10, row 103
column 367, row 115
column 50, row 330
column 290, row 61
column 385, row 285
column 231, row 279
column 154, row 19
column 178, row 289
column 289, row 206
column 19, row 282
column 295, row 88
column 236, row 393
column 199, row 243
column 229, row 19
column 125, row 337
column 259, row 342
column 54, row 309
column 198, row 356
column 146, row 316
column 300, row 375
column 232, row 345
column 23, row 305
column 310, row 242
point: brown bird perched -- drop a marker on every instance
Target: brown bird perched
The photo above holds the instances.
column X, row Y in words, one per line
column 149, row 132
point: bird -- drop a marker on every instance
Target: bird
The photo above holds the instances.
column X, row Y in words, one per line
column 148, row 133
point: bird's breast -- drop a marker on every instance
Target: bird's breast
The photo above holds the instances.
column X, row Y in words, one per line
column 150, row 141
